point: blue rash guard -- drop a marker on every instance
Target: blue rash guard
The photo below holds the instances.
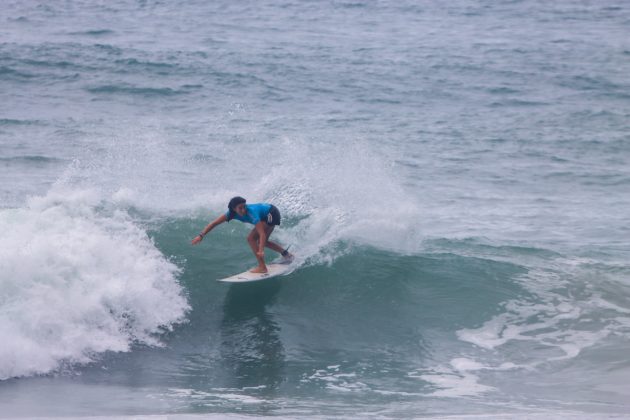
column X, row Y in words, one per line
column 255, row 213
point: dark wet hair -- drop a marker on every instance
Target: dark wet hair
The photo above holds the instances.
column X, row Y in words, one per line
column 235, row 201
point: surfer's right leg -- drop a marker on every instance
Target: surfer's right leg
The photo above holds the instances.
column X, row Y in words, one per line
column 253, row 239
column 270, row 244
column 276, row 246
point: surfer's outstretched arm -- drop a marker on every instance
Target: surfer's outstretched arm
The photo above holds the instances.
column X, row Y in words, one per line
column 208, row 228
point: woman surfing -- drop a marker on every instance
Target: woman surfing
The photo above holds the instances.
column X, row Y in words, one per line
column 265, row 217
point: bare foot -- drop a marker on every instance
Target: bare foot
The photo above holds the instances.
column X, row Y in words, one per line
column 258, row 270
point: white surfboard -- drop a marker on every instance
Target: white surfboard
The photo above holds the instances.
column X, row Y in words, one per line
column 273, row 270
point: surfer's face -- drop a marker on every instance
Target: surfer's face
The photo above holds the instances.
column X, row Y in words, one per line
column 240, row 209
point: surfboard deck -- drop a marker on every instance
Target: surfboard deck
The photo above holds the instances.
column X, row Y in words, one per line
column 273, row 270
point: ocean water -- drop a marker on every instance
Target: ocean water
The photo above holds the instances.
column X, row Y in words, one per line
column 454, row 179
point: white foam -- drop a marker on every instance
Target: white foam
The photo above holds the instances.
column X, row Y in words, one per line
column 455, row 380
column 336, row 381
column 225, row 394
column 564, row 314
column 464, row 364
column 77, row 280
column 554, row 325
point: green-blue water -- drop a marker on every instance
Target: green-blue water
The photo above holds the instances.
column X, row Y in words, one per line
column 453, row 179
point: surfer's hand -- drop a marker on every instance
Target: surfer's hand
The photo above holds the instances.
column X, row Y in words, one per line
column 196, row 240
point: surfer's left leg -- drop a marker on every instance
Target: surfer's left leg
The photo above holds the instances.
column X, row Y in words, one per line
column 252, row 239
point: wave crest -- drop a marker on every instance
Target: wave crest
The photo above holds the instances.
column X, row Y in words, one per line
column 78, row 279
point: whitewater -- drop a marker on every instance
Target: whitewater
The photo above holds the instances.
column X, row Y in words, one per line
column 454, row 180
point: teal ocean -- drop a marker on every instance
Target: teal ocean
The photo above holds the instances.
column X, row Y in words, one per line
column 453, row 177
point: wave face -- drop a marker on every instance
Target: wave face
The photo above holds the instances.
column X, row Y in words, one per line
column 457, row 201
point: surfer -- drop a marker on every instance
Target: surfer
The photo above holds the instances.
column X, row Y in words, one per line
column 265, row 217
